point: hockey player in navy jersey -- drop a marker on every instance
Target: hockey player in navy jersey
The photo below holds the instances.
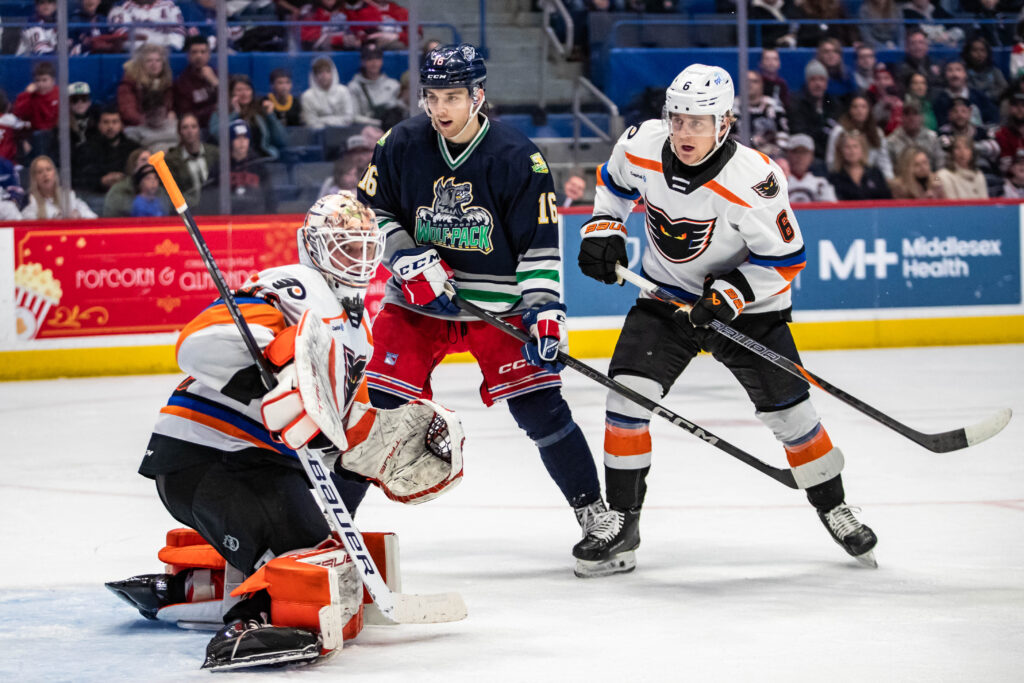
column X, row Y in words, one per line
column 720, row 235
column 461, row 198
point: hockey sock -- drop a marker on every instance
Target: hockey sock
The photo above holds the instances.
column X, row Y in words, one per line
column 547, row 420
column 625, row 489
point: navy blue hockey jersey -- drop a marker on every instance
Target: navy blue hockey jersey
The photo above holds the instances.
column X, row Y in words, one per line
column 490, row 212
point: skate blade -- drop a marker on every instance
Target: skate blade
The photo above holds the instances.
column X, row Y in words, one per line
column 279, row 659
column 620, row 564
column 867, row 559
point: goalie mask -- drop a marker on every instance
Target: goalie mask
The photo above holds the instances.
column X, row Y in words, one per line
column 701, row 90
column 340, row 238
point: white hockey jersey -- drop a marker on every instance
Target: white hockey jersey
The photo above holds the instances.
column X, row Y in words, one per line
column 218, row 406
column 733, row 215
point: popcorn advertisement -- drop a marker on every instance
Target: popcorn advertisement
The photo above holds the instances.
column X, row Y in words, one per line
column 111, row 277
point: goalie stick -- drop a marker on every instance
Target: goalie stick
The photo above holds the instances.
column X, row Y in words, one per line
column 821, row 470
column 943, row 442
column 402, row 608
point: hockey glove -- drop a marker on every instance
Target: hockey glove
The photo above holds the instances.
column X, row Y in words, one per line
column 600, row 253
column 423, row 275
column 721, row 300
column 546, row 323
column 283, row 413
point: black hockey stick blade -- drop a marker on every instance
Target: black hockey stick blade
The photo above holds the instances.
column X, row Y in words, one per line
column 943, row 442
column 781, row 475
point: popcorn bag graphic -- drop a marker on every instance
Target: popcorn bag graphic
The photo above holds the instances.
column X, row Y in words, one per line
column 36, row 291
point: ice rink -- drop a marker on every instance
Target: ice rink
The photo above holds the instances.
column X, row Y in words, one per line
column 736, row 578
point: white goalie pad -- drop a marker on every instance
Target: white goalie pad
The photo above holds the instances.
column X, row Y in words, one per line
column 414, row 452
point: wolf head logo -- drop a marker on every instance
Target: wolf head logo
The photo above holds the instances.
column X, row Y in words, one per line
column 450, row 197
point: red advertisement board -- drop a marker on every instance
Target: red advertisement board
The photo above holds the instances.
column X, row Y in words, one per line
column 119, row 276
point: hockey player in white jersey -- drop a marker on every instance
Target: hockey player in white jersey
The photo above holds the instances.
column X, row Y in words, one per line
column 721, row 235
column 223, row 456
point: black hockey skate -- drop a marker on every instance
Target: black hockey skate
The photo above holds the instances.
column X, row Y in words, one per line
column 610, row 539
column 855, row 538
column 255, row 643
column 148, row 592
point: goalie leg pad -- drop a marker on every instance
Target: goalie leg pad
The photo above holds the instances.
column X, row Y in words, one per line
column 413, row 453
column 318, row 591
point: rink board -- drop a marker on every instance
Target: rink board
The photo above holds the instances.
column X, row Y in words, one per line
column 878, row 275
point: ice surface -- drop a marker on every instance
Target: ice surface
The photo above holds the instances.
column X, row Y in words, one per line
column 736, row 579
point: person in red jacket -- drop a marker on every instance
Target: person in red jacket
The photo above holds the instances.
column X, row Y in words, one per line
column 360, row 10
column 38, row 103
column 393, row 33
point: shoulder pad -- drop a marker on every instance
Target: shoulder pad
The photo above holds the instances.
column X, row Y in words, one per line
column 295, row 288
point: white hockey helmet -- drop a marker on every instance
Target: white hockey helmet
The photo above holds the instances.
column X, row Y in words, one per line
column 700, row 90
column 340, row 238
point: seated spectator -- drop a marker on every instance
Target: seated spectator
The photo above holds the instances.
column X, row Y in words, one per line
column 777, row 34
column 914, row 176
column 158, row 131
column 360, row 11
column 391, row 34
column 912, row 133
column 195, row 88
column 864, row 68
column 39, row 36
column 374, row 91
column 1013, row 187
column 874, row 31
column 100, row 162
column 117, row 203
column 840, row 80
column 824, row 12
column 327, row 102
column 251, row 192
column 886, row 100
column 986, row 145
column 921, row 15
column 360, row 145
column 131, row 13
column 774, row 85
column 85, row 114
column 249, row 18
column 858, row 117
column 961, row 178
column 12, row 130
column 95, row 38
column 573, row 189
column 1010, row 136
column 37, row 104
column 347, row 171
column 44, row 193
column 148, row 71
column 851, row 175
column 982, row 75
column 333, row 35
column 998, row 18
column 917, row 61
column 985, row 110
column 917, row 93
column 12, row 195
column 804, row 185
column 814, row 111
column 147, row 201
column 267, row 133
column 192, row 162
column 287, row 108
column 769, row 125
column 1017, row 53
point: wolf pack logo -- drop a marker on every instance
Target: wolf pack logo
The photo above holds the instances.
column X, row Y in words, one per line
column 769, row 187
column 451, row 223
column 678, row 239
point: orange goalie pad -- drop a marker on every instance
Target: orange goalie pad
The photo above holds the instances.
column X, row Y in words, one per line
column 186, row 549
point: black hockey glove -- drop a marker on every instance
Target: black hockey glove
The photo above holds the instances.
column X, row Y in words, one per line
column 599, row 254
column 722, row 299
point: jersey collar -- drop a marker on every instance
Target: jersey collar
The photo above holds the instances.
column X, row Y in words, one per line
column 453, row 164
column 686, row 179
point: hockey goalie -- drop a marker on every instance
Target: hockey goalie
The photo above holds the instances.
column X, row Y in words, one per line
column 258, row 561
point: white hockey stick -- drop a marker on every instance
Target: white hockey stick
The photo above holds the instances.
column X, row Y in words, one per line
column 943, row 442
column 401, row 608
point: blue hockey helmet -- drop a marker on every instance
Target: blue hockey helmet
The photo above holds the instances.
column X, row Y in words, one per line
column 453, row 66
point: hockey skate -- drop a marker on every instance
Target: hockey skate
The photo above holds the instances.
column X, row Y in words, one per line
column 255, row 643
column 855, row 538
column 147, row 592
column 610, row 538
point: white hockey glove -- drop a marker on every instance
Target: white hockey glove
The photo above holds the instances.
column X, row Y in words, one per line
column 284, row 414
column 413, row 453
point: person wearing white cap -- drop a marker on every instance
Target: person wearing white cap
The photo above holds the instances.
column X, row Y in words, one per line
column 85, row 114
column 804, row 185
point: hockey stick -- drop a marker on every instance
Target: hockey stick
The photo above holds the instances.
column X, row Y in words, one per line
column 804, row 476
column 942, row 442
column 401, row 608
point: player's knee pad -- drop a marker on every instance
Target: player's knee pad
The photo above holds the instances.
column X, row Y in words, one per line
column 627, row 436
column 809, row 450
column 543, row 415
column 791, row 424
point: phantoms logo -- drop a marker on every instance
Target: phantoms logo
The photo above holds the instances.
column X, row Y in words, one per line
column 917, row 259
